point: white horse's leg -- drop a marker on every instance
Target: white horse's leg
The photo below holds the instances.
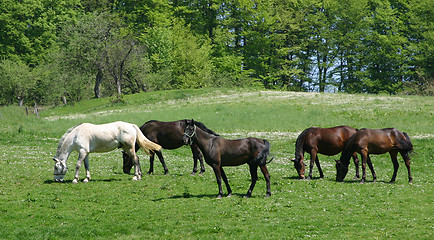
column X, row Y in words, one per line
column 86, row 165
column 81, row 156
column 137, row 169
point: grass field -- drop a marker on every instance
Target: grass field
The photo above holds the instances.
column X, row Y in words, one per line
column 178, row 205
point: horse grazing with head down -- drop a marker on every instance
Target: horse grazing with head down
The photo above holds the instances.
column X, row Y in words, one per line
column 86, row 138
column 169, row 136
column 219, row 152
column 327, row 141
column 376, row 141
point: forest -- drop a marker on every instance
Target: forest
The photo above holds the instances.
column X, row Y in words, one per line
column 62, row 51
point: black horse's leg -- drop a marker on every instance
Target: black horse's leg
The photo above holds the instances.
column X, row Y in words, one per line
column 127, row 163
column 407, row 164
column 254, row 174
column 160, row 157
column 225, row 179
column 151, row 163
column 202, row 165
column 197, row 155
column 267, row 179
column 371, row 167
column 393, row 156
column 321, row 174
column 216, row 168
column 356, row 164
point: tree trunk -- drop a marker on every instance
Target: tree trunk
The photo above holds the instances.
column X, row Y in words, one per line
column 98, row 81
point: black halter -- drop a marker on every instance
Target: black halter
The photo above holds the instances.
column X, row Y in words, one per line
column 191, row 136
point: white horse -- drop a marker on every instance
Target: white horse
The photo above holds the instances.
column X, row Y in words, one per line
column 86, row 138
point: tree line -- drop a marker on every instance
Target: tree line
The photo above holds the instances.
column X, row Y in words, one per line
column 79, row 49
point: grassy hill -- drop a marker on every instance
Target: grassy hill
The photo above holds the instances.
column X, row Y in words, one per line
column 182, row 206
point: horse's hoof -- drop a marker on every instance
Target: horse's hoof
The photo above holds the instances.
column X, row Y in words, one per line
column 75, row 181
column 219, row 197
column 135, row 178
column 268, row 195
column 229, row 195
column 86, row 180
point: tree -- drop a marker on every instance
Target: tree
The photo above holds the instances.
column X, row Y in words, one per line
column 109, row 45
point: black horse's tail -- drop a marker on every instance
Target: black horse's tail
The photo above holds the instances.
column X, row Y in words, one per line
column 261, row 159
column 405, row 144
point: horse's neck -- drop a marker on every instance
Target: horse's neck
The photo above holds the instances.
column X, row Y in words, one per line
column 299, row 146
column 66, row 148
column 346, row 155
column 203, row 138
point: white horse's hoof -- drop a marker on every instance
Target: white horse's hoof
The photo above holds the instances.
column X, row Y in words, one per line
column 75, row 180
column 134, row 178
column 86, row 180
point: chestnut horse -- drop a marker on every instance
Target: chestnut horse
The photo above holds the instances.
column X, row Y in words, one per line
column 327, row 141
column 376, row 141
column 219, row 152
column 169, row 136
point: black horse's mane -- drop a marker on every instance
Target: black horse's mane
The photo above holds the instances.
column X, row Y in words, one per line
column 299, row 144
column 204, row 128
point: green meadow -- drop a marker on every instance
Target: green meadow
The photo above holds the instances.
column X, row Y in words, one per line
column 181, row 206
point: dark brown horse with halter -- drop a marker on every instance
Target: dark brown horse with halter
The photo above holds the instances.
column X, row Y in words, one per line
column 376, row 141
column 169, row 136
column 219, row 152
column 327, row 141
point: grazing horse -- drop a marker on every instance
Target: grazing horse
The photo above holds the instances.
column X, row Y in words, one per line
column 169, row 136
column 219, row 152
column 327, row 141
column 86, row 138
column 375, row 141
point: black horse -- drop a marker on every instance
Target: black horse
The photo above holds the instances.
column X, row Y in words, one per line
column 219, row 152
column 169, row 136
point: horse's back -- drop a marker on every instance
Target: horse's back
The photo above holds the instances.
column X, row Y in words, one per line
column 377, row 141
column 106, row 137
column 167, row 134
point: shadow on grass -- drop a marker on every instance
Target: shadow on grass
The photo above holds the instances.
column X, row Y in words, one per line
column 81, row 181
column 202, row 196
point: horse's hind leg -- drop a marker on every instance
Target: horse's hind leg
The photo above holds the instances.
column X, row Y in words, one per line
column 393, row 156
column 135, row 159
column 371, row 167
column 86, row 165
column 407, row 164
column 225, row 179
column 356, row 164
column 254, row 174
column 81, row 156
column 267, row 179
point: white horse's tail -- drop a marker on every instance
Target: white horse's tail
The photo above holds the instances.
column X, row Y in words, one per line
column 144, row 142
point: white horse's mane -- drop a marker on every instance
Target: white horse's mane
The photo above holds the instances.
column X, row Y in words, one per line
column 62, row 139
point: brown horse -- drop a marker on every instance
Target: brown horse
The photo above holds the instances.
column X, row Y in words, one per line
column 169, row 136
column 376, row 141
column 327, row 141
column 219, row 152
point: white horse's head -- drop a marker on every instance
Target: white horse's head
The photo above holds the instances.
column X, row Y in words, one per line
column 59, row 169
